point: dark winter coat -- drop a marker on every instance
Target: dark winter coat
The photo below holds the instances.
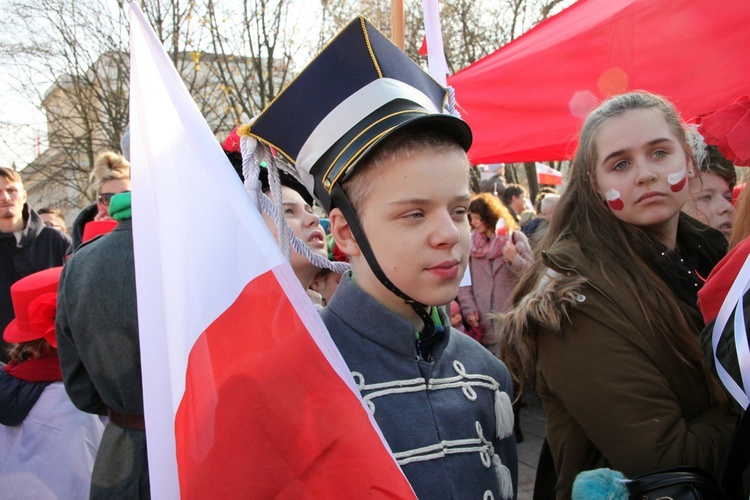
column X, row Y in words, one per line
column 84, row 217
column 614, row 395
column 40, row 247
column 97, row 335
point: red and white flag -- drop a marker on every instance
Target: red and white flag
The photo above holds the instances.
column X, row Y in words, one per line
column 548, row 175
column 433, row 44
column 245, row 394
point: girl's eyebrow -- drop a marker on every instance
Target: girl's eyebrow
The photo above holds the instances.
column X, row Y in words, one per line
column 649, row 143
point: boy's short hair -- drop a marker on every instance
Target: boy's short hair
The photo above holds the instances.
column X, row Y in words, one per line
column 512, row 190
column 717, row 164
column 10, row 175
column 53, row 211
column 404, row 143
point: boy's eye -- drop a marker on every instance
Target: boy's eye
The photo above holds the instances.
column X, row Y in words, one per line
column 459, row 212
column 704, row 198
column 414, row 215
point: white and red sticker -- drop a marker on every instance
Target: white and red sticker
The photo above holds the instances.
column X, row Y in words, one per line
column 500, row 228
column 614, row 199
column 677, row 180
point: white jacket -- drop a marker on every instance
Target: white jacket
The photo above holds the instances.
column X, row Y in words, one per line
column 51, row 454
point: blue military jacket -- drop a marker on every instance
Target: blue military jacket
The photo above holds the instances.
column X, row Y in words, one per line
column 448, row 421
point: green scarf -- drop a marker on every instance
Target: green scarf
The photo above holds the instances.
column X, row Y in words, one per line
column 119, row 206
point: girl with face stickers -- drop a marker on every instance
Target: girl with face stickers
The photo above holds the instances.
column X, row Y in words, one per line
column 606, row 319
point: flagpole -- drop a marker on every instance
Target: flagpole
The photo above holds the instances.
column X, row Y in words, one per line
column 397, row 23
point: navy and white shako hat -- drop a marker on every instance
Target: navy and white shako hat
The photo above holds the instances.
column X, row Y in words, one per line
column 357, row 92
column 351, row 97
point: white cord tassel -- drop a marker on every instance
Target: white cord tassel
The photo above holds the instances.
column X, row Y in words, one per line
column 698, row 145
column 451, row 104
column 250, row 169
column 503, row 477
column 252, row 153
column 503, row 415
column 279, row 217
column 299, row 246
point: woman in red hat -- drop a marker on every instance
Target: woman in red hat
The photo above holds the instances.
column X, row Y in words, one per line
column 47, row 446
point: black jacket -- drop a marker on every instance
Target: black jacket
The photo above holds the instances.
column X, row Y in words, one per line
column 85, row 216
column 40, row 248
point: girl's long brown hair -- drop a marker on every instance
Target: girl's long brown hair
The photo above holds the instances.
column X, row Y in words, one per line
column 581, row 213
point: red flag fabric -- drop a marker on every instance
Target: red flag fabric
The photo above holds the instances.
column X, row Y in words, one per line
column 245, row 393
column 526, row 101
column 264, row 414
column 423, row 48
column 728, row 129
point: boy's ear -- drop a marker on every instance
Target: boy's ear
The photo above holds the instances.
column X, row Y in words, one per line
column 342, row 233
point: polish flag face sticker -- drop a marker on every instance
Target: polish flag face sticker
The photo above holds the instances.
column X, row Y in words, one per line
column 614, row 200
column 677, row 180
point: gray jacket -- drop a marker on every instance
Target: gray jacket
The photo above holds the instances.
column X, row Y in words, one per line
column 97, row 335
column 438, row 417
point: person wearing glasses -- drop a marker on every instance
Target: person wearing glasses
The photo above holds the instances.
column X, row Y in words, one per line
column 54, row 218
column 110, row 176
column 27, row 245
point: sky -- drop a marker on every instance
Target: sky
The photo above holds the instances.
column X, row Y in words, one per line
column 21, row 123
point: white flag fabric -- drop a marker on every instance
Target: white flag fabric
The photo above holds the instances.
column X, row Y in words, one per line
column 235, row 359
column 438, row 66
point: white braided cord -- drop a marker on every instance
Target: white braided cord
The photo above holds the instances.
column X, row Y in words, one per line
column 451, row 104
column 250, row 170
column 279, row 218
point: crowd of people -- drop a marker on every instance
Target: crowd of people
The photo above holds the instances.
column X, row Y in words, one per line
column 595, row 296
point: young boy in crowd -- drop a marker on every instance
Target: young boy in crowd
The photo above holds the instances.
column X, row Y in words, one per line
column 391, row 170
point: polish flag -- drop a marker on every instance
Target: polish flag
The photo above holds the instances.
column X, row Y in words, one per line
column 548, row 175
column 245, row 394
column 433, row 42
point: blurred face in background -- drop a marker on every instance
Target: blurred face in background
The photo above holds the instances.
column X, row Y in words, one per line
column 711, row 202
column 53, row 221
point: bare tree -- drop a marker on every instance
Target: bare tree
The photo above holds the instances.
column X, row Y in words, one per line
column 71, row 59
column 254, row 44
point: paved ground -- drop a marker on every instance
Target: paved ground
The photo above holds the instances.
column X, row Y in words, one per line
column 532, row 425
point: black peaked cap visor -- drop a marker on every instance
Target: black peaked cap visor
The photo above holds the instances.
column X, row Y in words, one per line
column 339, row 162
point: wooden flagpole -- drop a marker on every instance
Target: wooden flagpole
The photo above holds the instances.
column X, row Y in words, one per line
column 397, row 23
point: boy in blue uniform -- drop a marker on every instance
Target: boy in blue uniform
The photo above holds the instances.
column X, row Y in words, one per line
column 373, row 146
